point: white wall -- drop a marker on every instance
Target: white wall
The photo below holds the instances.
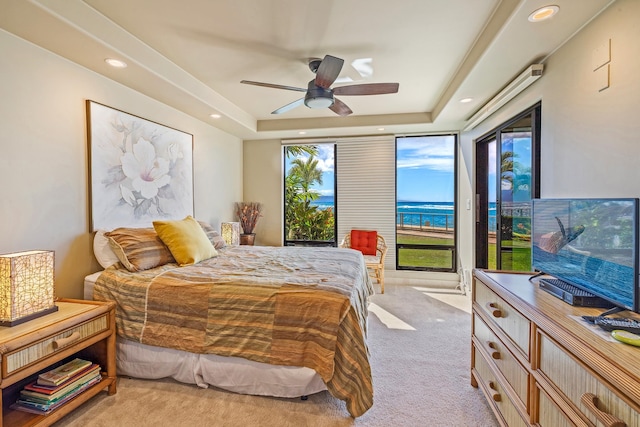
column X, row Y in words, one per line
column 43, row 161
column 263, row 165
column 590, row 140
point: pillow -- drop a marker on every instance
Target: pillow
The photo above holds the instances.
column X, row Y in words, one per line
column 102, row 251
column 138, row 248
column 364, row 241
column 186, row 240
column 214, row 237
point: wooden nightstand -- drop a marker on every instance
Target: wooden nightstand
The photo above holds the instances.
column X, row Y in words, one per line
column 84, row 329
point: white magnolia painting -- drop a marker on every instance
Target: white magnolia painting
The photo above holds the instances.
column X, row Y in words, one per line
column 141, row 171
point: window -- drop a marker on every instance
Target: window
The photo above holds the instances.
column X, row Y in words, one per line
column 426, row 203
column 309, row 195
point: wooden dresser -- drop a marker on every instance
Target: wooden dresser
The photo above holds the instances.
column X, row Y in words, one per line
column 539, row 363
column 84, row 329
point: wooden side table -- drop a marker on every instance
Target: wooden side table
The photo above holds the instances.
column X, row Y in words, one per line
column 84, row 329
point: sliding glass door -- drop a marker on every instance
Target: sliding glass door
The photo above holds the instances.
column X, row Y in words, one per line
column 507, row 165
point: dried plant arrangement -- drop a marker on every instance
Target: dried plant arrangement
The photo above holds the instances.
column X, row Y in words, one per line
column 248, row 214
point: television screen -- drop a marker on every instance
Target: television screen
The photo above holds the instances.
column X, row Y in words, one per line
column 589, row 243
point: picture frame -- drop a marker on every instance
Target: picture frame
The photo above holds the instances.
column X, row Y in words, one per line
column 139, row 170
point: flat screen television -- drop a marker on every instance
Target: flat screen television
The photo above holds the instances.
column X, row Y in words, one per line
column 591, row 244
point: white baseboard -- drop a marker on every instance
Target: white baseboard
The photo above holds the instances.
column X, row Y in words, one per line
column 422, row 278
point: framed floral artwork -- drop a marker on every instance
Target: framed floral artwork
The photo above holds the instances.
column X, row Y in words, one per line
column 139, row 170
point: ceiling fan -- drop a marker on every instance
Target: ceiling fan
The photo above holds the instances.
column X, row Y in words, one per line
column 319, row 93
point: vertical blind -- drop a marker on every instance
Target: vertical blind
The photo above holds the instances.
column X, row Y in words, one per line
column 366, row 185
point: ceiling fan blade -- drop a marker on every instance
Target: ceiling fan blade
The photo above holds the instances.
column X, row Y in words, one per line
column 367, row 89
column 288, row 107
column 297, row 89
column 328, row 71
column 340, row 108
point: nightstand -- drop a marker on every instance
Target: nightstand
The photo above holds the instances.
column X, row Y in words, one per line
column 79, row 328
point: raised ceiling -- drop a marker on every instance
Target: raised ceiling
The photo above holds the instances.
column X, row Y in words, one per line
column 192, row 54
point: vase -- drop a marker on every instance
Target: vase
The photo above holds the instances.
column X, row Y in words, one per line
column 247, row 239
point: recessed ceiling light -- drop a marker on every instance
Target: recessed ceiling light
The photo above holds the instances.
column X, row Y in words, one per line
column 302, row 132
column 215, row 116
column 116, row 63
column 380, row 129
column 466, row 100
column 543, row 13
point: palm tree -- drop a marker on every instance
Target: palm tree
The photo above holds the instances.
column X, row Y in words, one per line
column 299, row 150
column 308, row 173
column 507, row 164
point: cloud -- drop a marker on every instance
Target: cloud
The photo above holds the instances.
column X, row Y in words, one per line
column 324, row 192
column 434, row 153
column 326, row 161
column 434, row 163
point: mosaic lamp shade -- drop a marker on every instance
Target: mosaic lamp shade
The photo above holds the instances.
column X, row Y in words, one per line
column 231, row 233
column 26, row 286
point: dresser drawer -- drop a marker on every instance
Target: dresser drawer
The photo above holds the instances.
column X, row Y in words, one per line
column 495, row 391
column 577, row 383
column 514, row 325
column 552, row 416
column 20, row 358
column 516, row 375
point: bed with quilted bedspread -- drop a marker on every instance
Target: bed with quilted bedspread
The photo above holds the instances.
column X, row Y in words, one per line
column 290, row 306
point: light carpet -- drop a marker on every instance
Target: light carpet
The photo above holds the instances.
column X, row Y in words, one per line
column 419, row 340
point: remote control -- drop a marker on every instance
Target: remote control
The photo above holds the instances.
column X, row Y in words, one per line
column 611, row 324
column 626, row 337
column 590, row 319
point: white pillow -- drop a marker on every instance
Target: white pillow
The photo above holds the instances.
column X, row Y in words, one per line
column 102, row 251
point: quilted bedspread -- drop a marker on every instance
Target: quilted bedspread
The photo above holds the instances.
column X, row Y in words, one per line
column 294, row 306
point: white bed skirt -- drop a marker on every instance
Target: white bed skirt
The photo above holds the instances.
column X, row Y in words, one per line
column 229, row 373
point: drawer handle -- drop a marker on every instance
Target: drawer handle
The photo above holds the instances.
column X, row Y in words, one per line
column 591, row 402
column 61, row 342
column 495, row 395
column 495, row 353
column 494, row 310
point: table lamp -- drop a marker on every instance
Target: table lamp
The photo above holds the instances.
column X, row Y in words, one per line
column 26, row 286
column 231, row 233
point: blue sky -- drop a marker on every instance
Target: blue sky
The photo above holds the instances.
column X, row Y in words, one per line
column 425, row 167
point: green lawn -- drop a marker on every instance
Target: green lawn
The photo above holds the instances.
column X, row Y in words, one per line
column 424, row 257
column 423, row 240
column 518, row 259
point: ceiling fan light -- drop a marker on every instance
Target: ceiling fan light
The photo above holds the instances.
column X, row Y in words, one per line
column 318, row 97
column 318, row 102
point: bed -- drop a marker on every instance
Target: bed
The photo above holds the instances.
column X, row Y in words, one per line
column 276, row 321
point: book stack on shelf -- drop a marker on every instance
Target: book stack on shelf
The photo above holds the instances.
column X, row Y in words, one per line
column 57, row 386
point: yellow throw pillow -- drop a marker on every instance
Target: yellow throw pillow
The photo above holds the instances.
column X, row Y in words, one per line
column 186, row 240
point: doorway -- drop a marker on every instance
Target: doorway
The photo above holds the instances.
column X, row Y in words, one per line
column 507, row 179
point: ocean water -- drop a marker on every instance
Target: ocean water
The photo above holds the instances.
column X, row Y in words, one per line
column 433, row 214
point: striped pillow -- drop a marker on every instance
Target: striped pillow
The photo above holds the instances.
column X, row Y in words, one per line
column 139, row 248
column 214, row 237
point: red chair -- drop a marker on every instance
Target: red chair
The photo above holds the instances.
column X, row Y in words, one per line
column 374, row 249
